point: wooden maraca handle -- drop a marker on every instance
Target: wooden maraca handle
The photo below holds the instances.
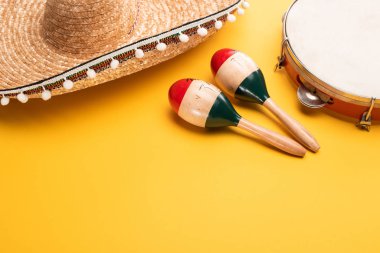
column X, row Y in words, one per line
column 281, row 142
column 298, row 131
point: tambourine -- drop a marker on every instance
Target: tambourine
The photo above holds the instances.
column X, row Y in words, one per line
column 331, row 51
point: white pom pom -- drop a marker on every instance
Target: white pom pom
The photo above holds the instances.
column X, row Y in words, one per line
column 139, row 53
column 218, row 25
column 240, row 11
column 46, row 95
column 245, row 5
column 184, row 38
column 5, row 101
column 161, row 46
column 91, row 73
column 22, row 98
column 114, row 64
column 68, row 84
column 202, row 31
column 231, row 18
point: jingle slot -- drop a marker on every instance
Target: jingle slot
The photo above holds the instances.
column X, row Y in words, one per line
column 307, row 97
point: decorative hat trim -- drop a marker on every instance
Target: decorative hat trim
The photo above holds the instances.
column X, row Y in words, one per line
column 112, row 60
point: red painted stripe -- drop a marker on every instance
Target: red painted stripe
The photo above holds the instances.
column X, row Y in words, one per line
column 177, row 92
column 219, row 58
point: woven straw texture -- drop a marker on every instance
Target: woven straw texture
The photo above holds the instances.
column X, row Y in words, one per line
column 43, row 38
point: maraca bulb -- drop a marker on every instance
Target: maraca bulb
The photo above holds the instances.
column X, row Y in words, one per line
column 202, row 104
column 239, row 76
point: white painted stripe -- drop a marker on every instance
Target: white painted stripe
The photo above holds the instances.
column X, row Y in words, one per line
column 197, row 102
column 124, row 50
column 234, row 71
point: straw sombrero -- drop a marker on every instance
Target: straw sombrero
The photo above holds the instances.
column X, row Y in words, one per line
column 51, row 47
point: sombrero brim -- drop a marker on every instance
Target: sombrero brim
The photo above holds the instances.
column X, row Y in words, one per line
column 29, row 65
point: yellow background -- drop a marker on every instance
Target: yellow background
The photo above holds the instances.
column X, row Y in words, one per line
column 112, row 169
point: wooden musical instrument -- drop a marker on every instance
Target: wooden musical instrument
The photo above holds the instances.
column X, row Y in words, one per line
column 330, row 49
column 204, row 105
column 238, row 75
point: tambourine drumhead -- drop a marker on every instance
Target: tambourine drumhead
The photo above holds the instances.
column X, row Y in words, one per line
column 338, row 42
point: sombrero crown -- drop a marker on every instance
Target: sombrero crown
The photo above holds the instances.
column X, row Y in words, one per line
column 51, row 47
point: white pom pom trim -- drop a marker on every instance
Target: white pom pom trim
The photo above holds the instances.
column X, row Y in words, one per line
column 22, row 98
column 68, row 84
column 245, row 5
column 202, row 31
column 91, row 73
column 5, row 101
column 139, row 53
column 240, row 11
column 161, row 46
column 231, row 18
column 46, row 94
column 114, row 64
column 218, row 24
column 184, row 38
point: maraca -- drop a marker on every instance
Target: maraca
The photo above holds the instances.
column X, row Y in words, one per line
column 241, row 78
column 204, row 105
